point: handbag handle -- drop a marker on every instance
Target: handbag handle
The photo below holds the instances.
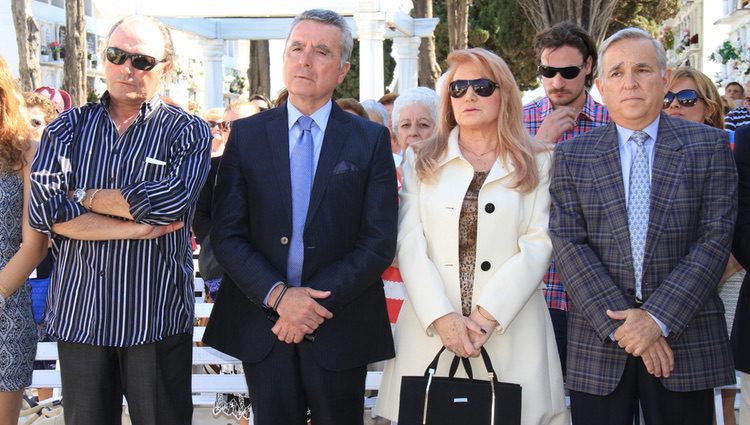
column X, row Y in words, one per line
column 465, row 361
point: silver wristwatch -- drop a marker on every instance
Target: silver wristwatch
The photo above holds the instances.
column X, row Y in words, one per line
column 79, row 195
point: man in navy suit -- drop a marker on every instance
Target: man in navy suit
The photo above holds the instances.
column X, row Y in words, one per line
column 305, row 223
column 641, row 222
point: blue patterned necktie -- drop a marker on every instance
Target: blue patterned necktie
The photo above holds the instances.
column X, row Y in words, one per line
column 301, row 169
column 638, row 205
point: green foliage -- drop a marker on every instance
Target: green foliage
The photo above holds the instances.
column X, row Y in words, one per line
column 725, row 53
column 350, row 86
column 496, row 25
column 440, row 10
column 647, row 14
column 511, row 36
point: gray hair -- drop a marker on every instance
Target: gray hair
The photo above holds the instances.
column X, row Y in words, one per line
column 373, row 107
column 329, row 17
column 421, row 96
column 633, row 33
column 169, row 53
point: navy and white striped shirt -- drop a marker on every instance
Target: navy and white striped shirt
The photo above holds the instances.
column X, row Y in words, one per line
column 121, row 293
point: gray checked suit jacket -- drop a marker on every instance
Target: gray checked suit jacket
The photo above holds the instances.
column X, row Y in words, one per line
column 692, row 213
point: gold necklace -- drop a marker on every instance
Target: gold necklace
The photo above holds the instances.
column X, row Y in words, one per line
column 478, row 156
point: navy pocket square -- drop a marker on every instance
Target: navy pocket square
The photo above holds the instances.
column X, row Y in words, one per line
column 345, row 167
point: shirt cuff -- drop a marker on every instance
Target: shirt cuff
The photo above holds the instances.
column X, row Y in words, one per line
column 662, row 326
column 137, row 197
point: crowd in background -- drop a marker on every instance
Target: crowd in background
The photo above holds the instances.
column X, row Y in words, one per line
column 519, row 231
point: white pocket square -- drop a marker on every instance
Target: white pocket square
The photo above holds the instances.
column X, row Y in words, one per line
column 154, row 161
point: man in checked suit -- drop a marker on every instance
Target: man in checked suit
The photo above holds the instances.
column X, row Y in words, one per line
column 641, row 222
column 305, row 224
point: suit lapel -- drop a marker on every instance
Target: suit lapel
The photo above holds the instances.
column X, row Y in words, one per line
column 280, row 153
column 337, row 132
column 665, row 179
column 606, row 171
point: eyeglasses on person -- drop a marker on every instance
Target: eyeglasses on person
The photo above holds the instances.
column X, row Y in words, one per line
column 139, row 61
column 687, row 98
column 482, row 87
column 223, row 125
column 568, row 72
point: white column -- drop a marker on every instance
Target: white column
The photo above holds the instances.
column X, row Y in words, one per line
column 214, row 74
column 406, row 52
column 371, row 32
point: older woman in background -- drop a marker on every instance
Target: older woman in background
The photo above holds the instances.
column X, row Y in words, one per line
column 18, row 333
column 692, row 96
column 414, row 115
column 473, row 243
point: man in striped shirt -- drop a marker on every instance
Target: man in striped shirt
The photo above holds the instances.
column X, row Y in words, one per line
column 740, row 116
column 115, row 183
column 567, row 59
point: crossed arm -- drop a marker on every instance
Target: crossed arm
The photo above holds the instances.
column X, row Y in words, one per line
column 147, row 209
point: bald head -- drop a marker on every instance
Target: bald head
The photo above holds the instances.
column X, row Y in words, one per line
column 148, row 28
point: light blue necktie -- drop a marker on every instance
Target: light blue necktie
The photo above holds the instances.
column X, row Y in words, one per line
column 638, row 204
column 301, row 169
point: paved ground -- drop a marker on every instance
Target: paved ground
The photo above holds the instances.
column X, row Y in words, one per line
column 204, row 416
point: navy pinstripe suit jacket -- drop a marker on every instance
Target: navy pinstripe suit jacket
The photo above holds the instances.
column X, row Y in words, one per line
column 692, row 213
column 349, row 237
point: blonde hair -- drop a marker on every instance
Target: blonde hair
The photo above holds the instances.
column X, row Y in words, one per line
column 707, row 91
column 515, row 144
column 13, row 126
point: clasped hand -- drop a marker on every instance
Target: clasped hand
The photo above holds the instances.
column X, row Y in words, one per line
column 641, row 336
column 299, row 313
column 460, row 335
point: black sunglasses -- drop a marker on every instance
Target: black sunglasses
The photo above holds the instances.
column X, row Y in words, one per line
column 482, row 87
column 568, row 72
column 687, row 97
column 223, row 125
column 142, row 62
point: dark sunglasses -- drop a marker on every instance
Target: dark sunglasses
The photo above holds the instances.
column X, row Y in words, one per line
column 223, row 125
column 142, row 62
column 568, row 72
column 482, row 87
column 687, row 97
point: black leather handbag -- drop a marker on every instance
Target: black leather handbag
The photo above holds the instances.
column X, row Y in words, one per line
column 434, row 400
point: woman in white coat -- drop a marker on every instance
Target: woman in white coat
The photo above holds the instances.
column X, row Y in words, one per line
column 473, row 244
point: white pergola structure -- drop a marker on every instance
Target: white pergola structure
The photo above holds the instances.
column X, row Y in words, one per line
column 371, row 21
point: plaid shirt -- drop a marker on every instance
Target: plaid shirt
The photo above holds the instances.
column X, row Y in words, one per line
column 592, row 115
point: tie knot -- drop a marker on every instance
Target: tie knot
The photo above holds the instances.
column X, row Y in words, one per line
column 305, row 122
column 639, row 137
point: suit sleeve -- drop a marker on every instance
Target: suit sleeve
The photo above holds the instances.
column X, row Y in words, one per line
column 694, row 280
column 232, row 237
column 422, row 279
column 202, row 220
column 741, row 245
column 587, row 281
column 355, row 272
column 515, row 281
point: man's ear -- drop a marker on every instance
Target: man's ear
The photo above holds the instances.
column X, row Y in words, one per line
column 343, row 71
